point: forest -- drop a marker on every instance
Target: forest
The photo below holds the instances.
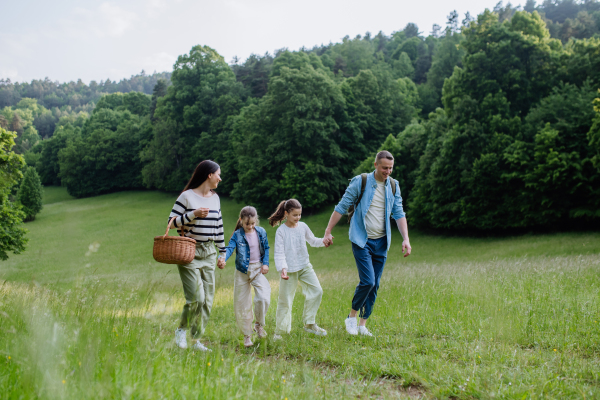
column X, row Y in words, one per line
column 494, row 121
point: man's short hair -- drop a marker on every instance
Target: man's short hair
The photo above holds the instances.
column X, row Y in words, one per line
column 384, row 154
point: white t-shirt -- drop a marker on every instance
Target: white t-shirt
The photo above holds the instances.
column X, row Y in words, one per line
column 290, row 247
column 375, row 218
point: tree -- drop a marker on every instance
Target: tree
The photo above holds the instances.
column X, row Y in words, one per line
column 30, row 194
column 12, row 234
column 160, row 90
column 297, row 141
column 203, row 96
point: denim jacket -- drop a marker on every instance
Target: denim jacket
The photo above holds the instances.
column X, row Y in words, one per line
column 242, row 255
column 393, row 207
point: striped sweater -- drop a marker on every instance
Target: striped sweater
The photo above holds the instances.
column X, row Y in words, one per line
column 201, row 229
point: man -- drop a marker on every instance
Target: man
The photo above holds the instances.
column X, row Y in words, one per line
column 370, row 233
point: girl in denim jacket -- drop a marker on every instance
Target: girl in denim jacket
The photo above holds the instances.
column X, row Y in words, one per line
column 251, row 265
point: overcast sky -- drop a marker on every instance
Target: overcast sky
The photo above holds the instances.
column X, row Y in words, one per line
column 94, row 40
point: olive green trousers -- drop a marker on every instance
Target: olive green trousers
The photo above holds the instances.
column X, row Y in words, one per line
column 198, row 279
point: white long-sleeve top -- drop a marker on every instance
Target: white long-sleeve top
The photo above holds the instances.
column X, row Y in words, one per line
column 290, row 247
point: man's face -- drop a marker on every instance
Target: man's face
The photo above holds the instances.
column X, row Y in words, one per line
column 383, row 169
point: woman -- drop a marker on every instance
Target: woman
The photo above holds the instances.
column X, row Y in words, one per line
column 198, row 213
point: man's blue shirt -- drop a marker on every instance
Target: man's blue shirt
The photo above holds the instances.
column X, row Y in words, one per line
column 393, row 207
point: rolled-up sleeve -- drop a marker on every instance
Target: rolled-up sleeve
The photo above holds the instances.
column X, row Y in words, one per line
column 397, row 209
column 350, row 196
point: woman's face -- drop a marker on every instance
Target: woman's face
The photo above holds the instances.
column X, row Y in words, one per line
column 214, row 179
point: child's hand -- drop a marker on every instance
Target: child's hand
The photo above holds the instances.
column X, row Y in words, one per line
column 221, row 263
column 265, row 269
column 284, row 274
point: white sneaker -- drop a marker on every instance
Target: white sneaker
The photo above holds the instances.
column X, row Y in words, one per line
column 199, row 346
column 315, row 329
column 277, row 337
column 364, row 331
column 180, row 338
column 351, row 326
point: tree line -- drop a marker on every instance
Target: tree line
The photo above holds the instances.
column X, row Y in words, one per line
column 491, row 120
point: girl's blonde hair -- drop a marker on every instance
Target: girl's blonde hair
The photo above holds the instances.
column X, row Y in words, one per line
column 279, row 214
column 246, row 212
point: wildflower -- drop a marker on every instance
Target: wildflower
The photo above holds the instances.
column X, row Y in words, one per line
column 64, row 381
column 9, row 357
column 209, row 364
column 554, row 349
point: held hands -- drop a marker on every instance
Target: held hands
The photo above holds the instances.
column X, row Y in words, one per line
column 284, row 274
column 265, row 269
column 406, row 249
column 328, row 239
column 201, row 212
column 221, row 263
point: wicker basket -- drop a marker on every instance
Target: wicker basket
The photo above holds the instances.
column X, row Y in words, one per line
column 174, row 249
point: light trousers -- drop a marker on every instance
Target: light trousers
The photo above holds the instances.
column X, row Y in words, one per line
column 242, row 297
column 311, row 288
column 198, row 279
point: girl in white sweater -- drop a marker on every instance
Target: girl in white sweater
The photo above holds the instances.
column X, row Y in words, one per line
column 291, row 259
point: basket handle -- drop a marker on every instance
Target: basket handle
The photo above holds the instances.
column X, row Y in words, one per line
column 169, row 226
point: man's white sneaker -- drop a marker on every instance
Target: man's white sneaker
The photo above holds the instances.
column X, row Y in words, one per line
column 364, row 331
column 199, row 346
column 315, row 329
column 277, row 337
column 180, row 339
column 351, row 326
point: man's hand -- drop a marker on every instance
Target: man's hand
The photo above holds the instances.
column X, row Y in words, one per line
column 201, row 212
column 284, row 274
column 406, row 249
column 264, row 269
column 221, row 263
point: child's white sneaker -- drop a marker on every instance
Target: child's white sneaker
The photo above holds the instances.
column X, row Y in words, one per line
column 315, row 329
column 351, row 326
column 180, row 338
column 362, row 330
column 277, row 337
column 199, row 346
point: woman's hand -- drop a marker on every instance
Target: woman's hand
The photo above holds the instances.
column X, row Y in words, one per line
column 284, row 274
column 264, row 269
column 201, row 212
column 221, row 263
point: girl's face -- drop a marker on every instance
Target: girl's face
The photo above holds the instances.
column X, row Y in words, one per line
column 294, row 215
column 214, row 179
column 249, row 223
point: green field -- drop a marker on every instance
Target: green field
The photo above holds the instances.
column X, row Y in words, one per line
column 86, row 313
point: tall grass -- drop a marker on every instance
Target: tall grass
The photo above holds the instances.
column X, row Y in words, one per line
column 87, row 313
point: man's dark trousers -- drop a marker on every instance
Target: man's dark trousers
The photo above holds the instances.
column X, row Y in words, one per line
column 370, row 262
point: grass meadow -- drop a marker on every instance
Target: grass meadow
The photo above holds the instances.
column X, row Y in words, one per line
column 87, row 313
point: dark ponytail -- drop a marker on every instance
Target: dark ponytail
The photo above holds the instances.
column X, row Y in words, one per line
column 279, row 214
column 246, row 212
column 203, row 170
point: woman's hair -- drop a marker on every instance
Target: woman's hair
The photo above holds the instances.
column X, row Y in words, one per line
column 246, row 212
column 201, row 173
column 279, row 214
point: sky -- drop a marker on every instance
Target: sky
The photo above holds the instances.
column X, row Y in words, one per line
column 66, row 40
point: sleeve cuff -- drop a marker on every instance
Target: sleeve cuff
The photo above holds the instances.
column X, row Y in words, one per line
column 189, row 217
